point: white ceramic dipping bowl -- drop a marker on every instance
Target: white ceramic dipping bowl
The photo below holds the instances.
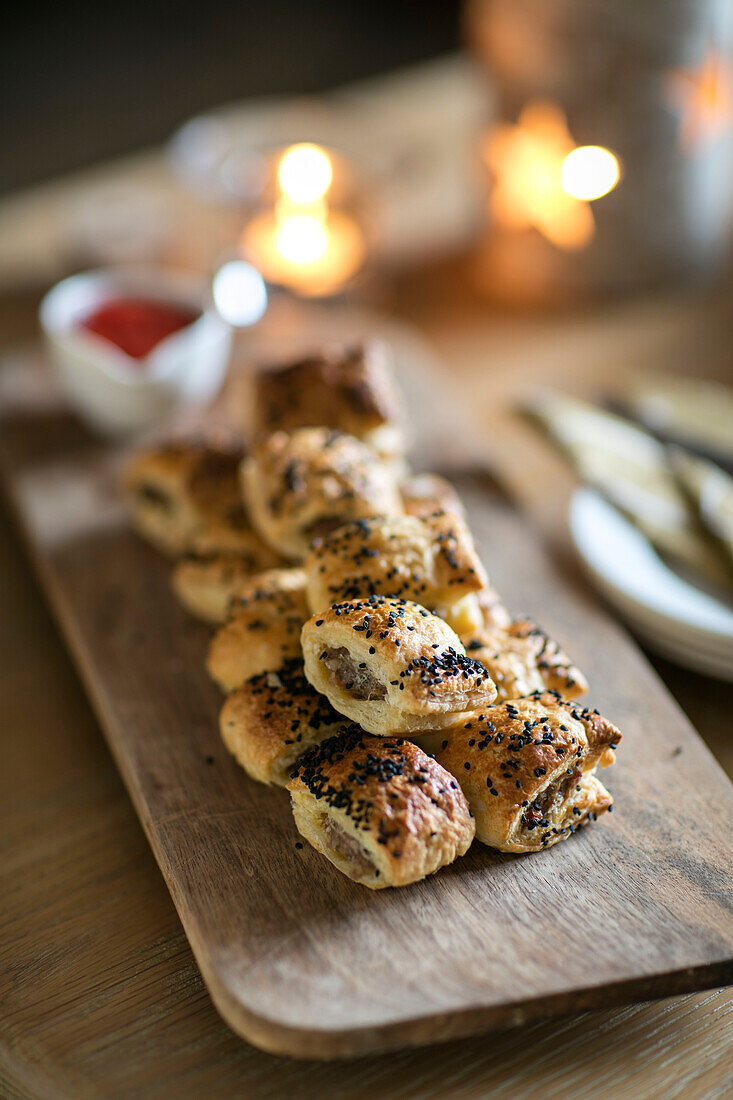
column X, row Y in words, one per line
column 115, row 394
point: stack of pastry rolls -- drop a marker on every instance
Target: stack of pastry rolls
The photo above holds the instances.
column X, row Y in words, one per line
column 366, row 661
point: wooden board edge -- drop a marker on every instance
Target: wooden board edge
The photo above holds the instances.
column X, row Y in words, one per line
column 320, row 1045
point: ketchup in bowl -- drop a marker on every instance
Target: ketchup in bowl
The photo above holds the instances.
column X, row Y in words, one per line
column 137, row 325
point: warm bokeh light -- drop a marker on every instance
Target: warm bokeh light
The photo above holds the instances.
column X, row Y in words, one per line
column 589, row 172
column 302, row 238
column 286, row 208
column 311, row 255
column 533, row 186
column 704, row 99
column 301, row 241
column 305, row 173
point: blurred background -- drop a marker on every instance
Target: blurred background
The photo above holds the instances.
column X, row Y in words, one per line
column 80, row 86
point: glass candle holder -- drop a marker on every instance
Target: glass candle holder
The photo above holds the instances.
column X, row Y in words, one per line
column 610, row 164
column 304, row 222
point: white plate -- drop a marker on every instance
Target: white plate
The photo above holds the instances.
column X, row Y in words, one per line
column 673, row 616
column 664, row 626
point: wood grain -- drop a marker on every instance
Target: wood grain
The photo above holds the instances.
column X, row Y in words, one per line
column 300, row 960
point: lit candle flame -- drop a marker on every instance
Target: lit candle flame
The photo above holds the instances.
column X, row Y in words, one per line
column 305, row 173
column 300, row 241
column 302, row 238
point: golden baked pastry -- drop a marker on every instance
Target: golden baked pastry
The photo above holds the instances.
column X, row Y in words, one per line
column 206, row 586
column 432, row 561
column 302, row 486
column 491, row 609
column 184, row 497
column 263, row 630
column 392, row 666
column 264, row 587
column 352, row 390
column 522, row 658
column 526, row 767
column 382, row 811
column 270, row 721
column 424, row 494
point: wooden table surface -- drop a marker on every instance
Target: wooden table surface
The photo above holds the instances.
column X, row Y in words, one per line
column 100, row 993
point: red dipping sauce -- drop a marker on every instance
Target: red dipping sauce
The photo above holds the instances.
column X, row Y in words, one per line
column 136, row 325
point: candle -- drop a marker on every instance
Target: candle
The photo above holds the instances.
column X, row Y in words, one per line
column 301, row 238
column 542, row 180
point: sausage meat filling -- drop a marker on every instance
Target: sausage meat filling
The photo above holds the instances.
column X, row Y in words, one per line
column 354, row 678
column 551, row 799
column 345, row 845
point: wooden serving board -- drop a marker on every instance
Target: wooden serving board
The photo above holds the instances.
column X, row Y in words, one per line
column 298, row 959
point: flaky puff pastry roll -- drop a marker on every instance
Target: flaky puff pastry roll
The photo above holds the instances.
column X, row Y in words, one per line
column 207, row 586
column 349, row 389
column 185, row 497
column 263, row 630
column 272, row 719
column 522, row 659
column 425, row 494
column 380, row 809
column 302, row 486
column 526, row 767
column 392, row 666
column 432, row 561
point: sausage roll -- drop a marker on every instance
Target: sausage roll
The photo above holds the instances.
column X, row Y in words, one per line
column 302, row 486
column 491, row 608
column 380, row 809
column 522, row 658
column 270, row 721
column 263, row 631
column 392, row 666
column 185, row 498
column 352, row 390
column 206, row 586
column 431, row 560
column 425, row 494
column 526, row 767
